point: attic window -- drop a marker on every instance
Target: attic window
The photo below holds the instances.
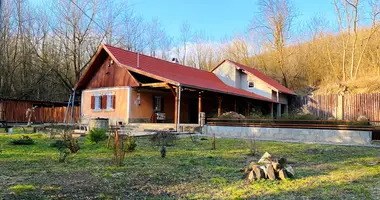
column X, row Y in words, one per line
column 251, row 84
column 108, row 67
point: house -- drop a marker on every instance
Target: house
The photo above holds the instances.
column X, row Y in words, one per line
column 250, row 79
column 129, row 87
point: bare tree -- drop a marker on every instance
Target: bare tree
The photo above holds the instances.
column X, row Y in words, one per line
column 156, row 37
column 275, row 22
column 133, row 32
column 348, row 16
column 238, row 49
column 185, row 37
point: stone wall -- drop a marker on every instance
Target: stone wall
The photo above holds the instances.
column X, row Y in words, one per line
column 347, row 137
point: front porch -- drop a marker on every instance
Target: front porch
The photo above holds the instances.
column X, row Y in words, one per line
column 181, row 106
column 151, row 127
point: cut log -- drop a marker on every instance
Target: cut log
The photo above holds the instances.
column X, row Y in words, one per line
column 282, row 174
column 265, row 159
column 251, row 176
column 276, row 165
column 282, row 162
column 259, row 173
column 289, row 171
column 253, row 165
column 270, row 171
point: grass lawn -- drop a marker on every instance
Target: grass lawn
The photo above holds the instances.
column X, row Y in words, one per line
column 190, row 171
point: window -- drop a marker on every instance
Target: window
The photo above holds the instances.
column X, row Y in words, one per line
column 157, row 102
column 98, row 102
column 251, row 84
column 109, row 102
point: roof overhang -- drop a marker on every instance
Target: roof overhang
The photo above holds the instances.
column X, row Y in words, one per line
column 230, row 93
column 129, row 68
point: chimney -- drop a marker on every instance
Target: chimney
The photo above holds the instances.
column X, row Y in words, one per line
column 175, row 60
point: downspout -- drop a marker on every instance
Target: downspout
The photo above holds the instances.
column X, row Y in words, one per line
column 129, row 104
column 81, row 107
column 179, row 108
column 72, row 107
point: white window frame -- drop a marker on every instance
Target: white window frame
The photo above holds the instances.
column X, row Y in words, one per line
column 253, row 84
column 109, row 105
column 98, row 102
column 158, row 102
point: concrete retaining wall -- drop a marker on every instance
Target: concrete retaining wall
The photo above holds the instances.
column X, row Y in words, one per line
column 347, row 137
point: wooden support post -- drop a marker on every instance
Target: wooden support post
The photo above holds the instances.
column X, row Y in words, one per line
column 176, row 107
column 199, row 103
column 160, row 84
column 117, row 140
column 219, row 106
column 173, row 90
column 339, row 110
column 235, row 106
column 199, row 107
column 179, row 108
column 213, row 142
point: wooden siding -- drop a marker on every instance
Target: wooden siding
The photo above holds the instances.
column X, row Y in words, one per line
column 353, row 106
column 15, row 111
column 361, row 104
column 110, row 75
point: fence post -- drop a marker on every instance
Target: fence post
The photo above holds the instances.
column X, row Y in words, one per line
column 340, row 106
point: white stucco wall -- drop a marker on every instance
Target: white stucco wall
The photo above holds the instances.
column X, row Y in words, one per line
column 260, row 87
column 227, row 73
column 230, row 75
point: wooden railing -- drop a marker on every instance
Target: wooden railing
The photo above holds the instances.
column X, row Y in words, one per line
column 304, row 124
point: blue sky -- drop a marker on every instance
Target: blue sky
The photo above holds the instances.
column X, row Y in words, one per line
column 220, row 18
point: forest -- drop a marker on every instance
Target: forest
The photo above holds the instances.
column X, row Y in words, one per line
column 44, row 48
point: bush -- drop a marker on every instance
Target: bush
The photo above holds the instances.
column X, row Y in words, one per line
column 306, row 117
column 130, row 143
column 58, row 144
column 65, row 146
column 24, row 140
column 331, row 119
column 362, row 118
column 232, row 115
column 71, row 144
column 96, row 135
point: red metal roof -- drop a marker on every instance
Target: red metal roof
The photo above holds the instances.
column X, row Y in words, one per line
column 261, row 76
column 181, row 74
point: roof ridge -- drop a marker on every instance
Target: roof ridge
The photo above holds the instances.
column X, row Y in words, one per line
column 141, row 54
column 263, row 74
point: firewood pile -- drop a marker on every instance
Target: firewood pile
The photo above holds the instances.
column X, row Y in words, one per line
column 269, row 168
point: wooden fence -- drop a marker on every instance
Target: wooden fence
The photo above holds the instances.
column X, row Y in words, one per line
column 46, row 112
column 347, row 107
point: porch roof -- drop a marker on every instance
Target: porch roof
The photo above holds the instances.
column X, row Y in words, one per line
column 176, row 74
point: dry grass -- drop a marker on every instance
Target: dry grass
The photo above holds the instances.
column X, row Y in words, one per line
column 190, row 171
column 359, row 86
